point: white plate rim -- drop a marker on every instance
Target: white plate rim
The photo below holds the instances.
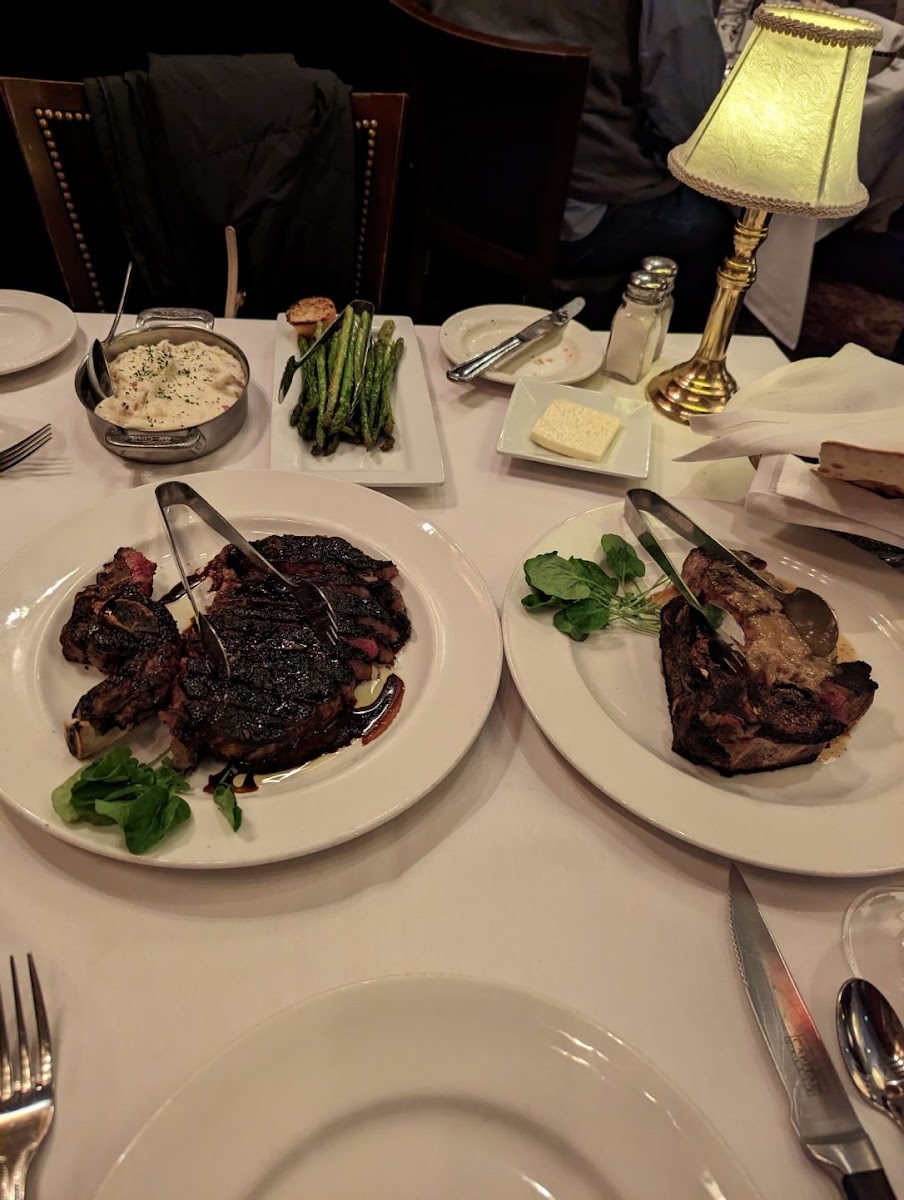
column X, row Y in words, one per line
column 450, row 329
column 548, row 458
column 483, row 674
column 415, row 413
column 49, row 308
column 540, row 1007
column 790, row 848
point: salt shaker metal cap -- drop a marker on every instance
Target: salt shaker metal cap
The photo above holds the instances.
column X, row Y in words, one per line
column 665, row 269
column 645, row 287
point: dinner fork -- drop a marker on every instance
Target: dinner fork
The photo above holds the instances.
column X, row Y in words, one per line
column 24, row 448
column 26, row 1091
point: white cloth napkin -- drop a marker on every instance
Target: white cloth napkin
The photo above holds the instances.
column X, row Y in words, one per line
column 786, row 489
column 853, row 396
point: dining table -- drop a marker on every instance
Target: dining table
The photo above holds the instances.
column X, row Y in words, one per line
column 513, row 869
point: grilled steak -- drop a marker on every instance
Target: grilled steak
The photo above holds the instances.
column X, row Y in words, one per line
column 110, row 616
column 289, row 697
column 116, row 627
column 782, row 712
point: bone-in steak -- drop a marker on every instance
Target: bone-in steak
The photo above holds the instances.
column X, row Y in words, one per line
column 783, row 711
column 116, row 627
column 288, row 697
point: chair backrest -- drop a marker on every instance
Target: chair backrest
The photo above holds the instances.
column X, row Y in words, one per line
column 494, row 125
column 53, row 128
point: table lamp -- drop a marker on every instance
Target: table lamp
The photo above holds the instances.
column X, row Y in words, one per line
column 781, row 136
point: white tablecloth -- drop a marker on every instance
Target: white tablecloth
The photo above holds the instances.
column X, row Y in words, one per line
column 515, row 869
column 779, row 296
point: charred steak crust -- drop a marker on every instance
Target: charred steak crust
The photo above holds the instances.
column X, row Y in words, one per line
column 116, row 627
column 784, row 710
column 289, row 697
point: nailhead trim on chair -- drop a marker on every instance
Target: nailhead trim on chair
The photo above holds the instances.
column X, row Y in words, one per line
column 370, row 126
column 44, row 116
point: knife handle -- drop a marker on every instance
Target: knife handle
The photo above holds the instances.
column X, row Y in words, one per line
column 867, row 1185
column 474, row 366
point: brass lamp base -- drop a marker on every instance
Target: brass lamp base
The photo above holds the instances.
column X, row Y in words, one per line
column 704, row 384
column 699, row 385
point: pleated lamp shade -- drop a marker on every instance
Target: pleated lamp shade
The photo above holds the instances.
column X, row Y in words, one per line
column 782, row 134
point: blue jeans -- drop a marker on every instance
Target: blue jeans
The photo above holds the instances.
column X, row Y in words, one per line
column 684, row 225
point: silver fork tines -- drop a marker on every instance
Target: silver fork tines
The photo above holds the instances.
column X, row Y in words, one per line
column 26, row 1088
column 24, row 448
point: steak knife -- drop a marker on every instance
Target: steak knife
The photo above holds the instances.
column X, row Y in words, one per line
column 821, row 1112
column 554, row 320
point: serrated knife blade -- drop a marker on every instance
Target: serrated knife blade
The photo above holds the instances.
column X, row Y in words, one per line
column 821, row 1113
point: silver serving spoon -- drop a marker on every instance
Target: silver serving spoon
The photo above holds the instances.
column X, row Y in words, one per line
column 97, row 367
column 871, row 1038
column 810, row 615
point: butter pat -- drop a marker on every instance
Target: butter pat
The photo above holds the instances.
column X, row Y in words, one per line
column 575, row 430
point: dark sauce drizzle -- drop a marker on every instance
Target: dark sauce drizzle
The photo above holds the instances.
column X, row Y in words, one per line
column 178, row 591
column 366, row 723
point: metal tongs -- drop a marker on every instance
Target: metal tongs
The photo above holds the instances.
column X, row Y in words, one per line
column 810, row 615
column 317, row 609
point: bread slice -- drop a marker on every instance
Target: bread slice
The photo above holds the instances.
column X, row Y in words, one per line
column 575, row 430
column 304, row 314
column 880, row 471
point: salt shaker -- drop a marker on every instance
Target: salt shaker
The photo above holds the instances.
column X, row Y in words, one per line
column 632, row 341
column 666, row 270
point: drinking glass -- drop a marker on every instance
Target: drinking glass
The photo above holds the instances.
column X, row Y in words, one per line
column 873, row 938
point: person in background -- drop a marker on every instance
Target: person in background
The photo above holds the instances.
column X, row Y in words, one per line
column 656, row 66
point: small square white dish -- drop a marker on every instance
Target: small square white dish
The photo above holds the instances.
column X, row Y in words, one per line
column 415, row 461
column 629, row 453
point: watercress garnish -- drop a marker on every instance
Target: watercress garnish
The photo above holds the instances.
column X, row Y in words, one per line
column 588, row 597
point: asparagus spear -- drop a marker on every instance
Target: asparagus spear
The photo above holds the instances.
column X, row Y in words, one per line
column 338, row 368
column 373, row 396
column 387, row 421
column 344, row 402
column 364, row 407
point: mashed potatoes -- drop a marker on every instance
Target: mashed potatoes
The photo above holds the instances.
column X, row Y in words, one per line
column 167, row 386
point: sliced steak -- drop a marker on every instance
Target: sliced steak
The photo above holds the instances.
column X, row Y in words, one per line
column 289, row 697
column 116, row 627
column 783, row 711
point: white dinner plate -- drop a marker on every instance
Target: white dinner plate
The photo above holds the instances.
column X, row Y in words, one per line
column 439, row 1087
column 450, row 667
column 629, row 453
column 602, row 703
column 33, row 328
column 415, row 460
column 568, row 355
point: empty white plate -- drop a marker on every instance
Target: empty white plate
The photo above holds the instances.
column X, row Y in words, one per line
column 568, row 355
column 628, row 454
column 33, row 328
column 447, row 1088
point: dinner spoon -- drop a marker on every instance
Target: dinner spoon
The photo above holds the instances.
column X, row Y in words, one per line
column 97, row 367
column 871, row 1038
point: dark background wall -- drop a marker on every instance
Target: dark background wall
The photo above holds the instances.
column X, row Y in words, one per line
column 351, row 37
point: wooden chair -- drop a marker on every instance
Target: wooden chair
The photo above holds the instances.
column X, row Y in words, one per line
column 53, row 128
column 493, row 127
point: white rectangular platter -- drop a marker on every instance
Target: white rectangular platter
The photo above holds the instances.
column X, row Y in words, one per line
column 416, row 460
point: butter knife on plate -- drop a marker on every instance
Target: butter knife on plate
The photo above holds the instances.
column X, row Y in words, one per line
column 821, row 1113
column 462, row 372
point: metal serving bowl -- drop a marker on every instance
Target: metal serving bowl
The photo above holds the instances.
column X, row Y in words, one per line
column 166, row 445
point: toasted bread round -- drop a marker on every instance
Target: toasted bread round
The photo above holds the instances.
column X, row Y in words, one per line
column 304, row 314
